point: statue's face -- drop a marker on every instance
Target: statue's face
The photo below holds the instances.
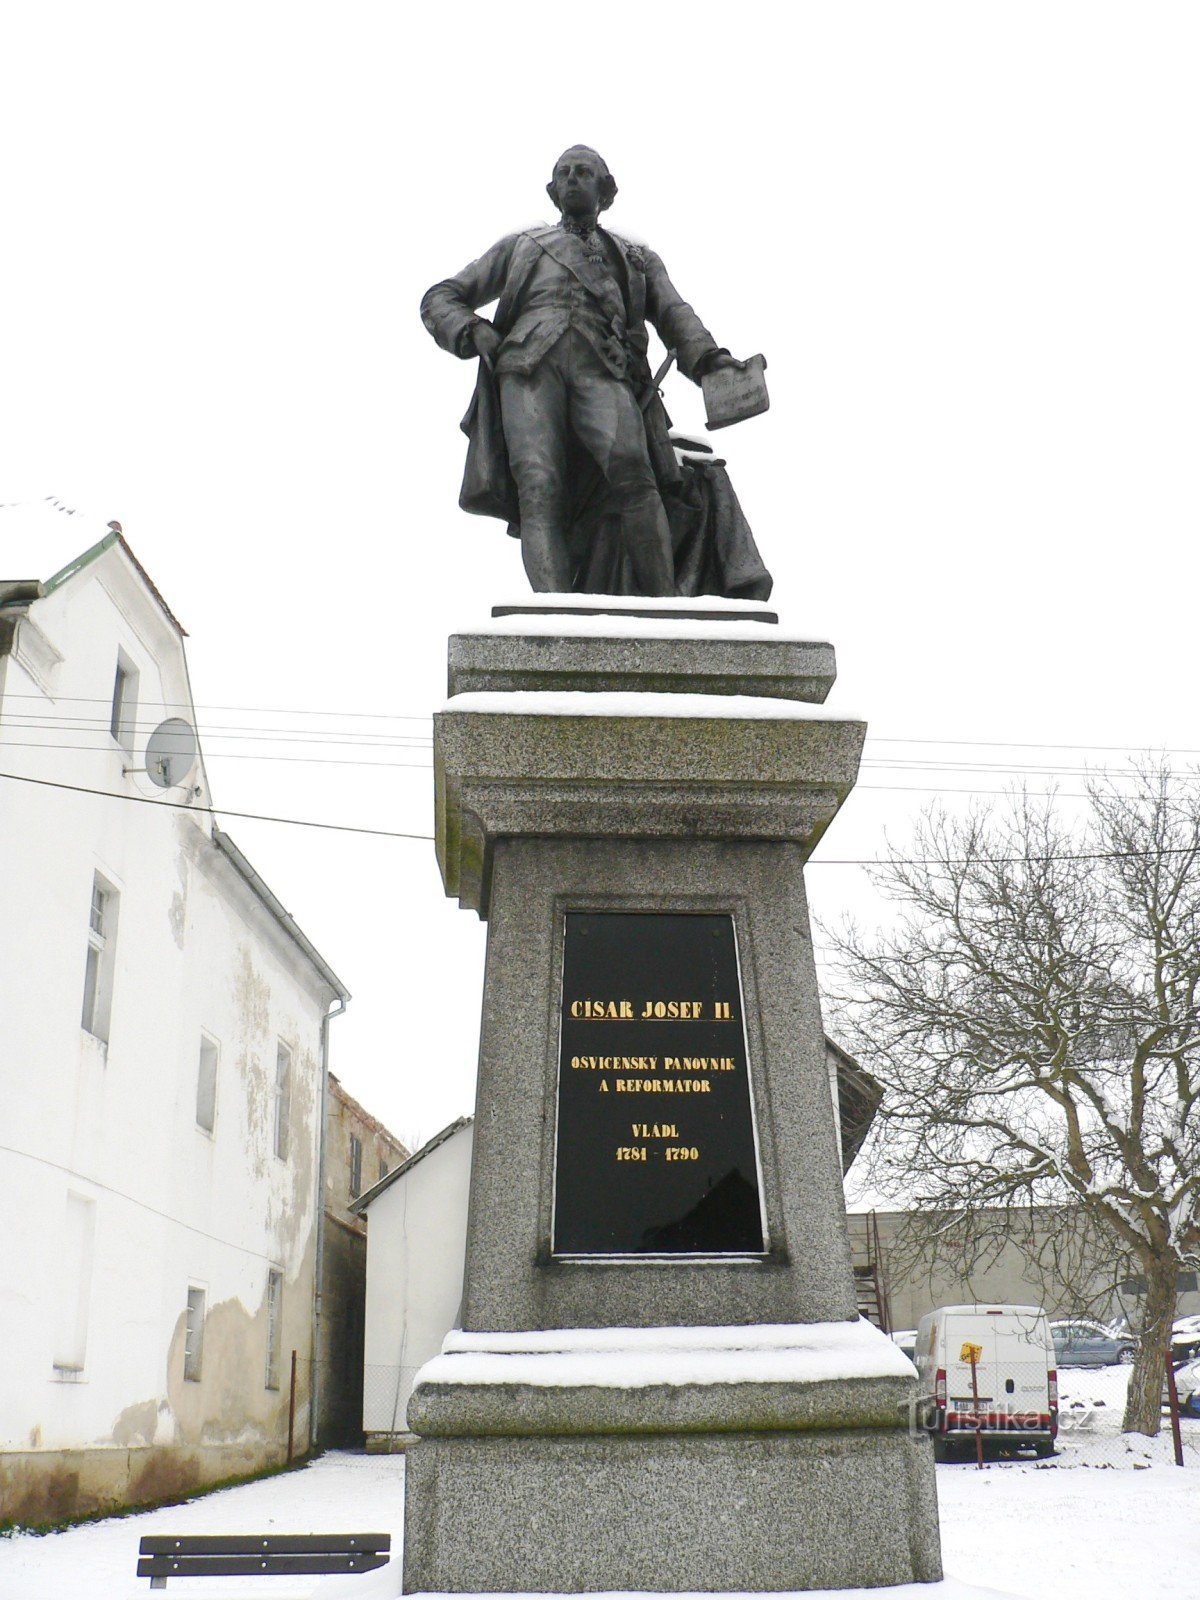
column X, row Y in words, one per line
column 577, row 183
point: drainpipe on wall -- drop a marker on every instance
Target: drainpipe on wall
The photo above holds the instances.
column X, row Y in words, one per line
column 314, row 1403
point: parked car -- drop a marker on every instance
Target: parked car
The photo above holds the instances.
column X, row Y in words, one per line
column 1187, row 1387
column 1185, row 1339
column 1015, row 1378
column 1078, row 1343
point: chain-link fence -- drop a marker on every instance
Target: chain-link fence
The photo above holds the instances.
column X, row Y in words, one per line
column 386, row 1389
column 1015, row 1411
column 1020, row 1416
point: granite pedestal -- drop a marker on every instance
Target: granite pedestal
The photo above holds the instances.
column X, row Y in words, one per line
column 655, row 1416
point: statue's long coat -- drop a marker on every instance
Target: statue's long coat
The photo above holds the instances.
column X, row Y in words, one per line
column 714, row 548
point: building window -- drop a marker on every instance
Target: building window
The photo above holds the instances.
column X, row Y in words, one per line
column 101, row 956
column 124, row 703
column 274, row 1325
column 383, row 1169
column 283, row 1099
column 193, row 1335
column 74, row 1269
column 355, row 1166
column 206, row 1086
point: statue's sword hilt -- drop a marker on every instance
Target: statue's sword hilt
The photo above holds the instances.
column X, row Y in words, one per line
column 657, row 379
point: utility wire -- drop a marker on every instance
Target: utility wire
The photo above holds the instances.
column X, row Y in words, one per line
column 915, row 765
column 213, row 811
column 399, row 716
column 220, row 755
column 390, row 833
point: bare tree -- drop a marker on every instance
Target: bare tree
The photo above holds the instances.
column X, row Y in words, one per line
column 1034, row 1017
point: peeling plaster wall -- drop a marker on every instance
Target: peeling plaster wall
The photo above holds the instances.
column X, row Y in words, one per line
column 116, row 1125
column 344, row 1269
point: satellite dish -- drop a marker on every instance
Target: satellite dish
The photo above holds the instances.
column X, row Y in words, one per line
column 171, row 752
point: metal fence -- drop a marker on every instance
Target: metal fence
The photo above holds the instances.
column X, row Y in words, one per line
column 1012, row 1426
column 386, row 1390
column 1090, row 1413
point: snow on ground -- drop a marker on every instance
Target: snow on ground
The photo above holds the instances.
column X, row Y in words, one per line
column 1099, row 1522
column 340, row 1493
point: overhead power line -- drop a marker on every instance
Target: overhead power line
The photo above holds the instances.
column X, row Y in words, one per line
column 916, row 765
column 213, row 811
column 392, row 833
column 426, row 717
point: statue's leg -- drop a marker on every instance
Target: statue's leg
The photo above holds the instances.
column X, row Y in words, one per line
column 534, row 410
column 608, row 422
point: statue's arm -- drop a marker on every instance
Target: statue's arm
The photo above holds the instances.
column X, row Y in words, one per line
column 678, row 326
column 448, row 309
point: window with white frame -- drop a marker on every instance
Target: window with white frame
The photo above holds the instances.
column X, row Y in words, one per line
column 193, row 1335
column 123, row 721
column 283, row 1098
column 355, row 1166
column 101, row 958
column 206, row 1085
column 274, row 1325
column 73, row 1267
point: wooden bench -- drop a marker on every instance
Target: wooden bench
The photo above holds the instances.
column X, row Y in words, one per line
column 232, row 1554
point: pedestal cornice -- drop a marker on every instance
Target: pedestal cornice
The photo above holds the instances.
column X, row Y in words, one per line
column 631, row 766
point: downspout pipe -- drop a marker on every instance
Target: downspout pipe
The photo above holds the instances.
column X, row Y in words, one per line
column 314, row 1403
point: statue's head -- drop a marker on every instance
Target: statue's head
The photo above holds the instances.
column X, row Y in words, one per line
column 581, row 184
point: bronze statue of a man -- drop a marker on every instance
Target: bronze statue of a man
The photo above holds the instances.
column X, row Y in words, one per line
column 568, row 437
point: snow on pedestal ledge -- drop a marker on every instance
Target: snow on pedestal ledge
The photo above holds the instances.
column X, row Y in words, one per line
column 638, row 1358
column 583, row 703
column 567, row 625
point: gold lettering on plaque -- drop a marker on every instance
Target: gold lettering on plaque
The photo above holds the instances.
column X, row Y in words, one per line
column 602, row 1010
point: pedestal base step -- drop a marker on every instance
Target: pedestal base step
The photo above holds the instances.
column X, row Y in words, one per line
column 945, row 1589
column 671, row 1513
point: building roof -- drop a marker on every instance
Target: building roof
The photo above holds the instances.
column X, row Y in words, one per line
column 373, row 1193
column 283, row 917
column 36, row 536
column 338, row 1088
column 859, row 1097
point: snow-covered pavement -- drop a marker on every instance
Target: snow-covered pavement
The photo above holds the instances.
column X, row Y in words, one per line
column 1090, row 1526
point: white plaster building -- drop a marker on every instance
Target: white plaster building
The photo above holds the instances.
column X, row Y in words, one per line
column 416, row 1247
column 163, row 1056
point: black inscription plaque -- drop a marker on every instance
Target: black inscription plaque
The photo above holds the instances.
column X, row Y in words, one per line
column 655, row 1152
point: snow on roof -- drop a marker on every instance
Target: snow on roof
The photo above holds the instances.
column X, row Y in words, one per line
column 47, row 541
column 41, row 538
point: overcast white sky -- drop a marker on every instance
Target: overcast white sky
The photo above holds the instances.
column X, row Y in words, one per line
column 966, row 237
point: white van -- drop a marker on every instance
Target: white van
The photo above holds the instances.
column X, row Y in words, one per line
column 1014, row 1373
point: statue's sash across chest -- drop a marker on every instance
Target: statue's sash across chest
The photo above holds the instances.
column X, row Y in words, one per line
column 624, row 303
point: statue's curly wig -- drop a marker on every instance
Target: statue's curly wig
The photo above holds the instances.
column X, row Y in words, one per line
column 608, row 184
